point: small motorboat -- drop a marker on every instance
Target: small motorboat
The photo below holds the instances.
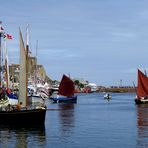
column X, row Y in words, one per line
column 107, row 96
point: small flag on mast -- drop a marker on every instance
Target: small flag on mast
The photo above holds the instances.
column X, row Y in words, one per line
column 2, row 28
column 9, row 36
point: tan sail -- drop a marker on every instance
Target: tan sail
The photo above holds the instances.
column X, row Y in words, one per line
column 22, row 74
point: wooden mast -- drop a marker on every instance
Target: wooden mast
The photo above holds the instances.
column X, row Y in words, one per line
column 6, row 65
column 27, row 51
column 0, row 54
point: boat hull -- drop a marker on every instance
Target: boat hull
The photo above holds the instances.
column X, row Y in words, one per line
column 34, row 117
column 141, row 101
column 65, row 99
column 107, row 98
column 35, row 99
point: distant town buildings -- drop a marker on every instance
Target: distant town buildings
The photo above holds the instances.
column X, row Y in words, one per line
column 38, row 72
column 34, row 70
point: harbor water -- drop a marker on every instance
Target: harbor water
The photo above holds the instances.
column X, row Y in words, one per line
column 92, row 122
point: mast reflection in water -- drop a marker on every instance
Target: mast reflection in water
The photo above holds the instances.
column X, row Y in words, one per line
column 22, row 137
column 142, row 125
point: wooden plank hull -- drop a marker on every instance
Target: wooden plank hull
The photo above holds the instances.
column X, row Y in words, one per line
column 34, row 117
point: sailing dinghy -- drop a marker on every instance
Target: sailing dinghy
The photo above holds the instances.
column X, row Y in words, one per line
column 65, row 92
column 142, row 89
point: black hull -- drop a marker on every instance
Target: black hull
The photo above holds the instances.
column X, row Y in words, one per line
column 107, row 98
column 61, row 100
column 143, row 101
column 65, row 101
column 23, row 118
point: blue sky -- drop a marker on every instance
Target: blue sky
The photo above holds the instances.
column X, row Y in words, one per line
column 102, row 41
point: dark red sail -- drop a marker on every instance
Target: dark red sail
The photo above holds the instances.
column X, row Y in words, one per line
column 66, row 87
column 142, row 87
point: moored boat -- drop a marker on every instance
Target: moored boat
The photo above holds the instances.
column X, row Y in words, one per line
column 28, row 115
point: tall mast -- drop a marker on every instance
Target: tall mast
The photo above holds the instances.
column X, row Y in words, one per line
column 27, row 50
column 36, row 63
column 0, row 53
column 6, row 64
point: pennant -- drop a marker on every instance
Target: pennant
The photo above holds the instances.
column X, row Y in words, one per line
column 9, row 36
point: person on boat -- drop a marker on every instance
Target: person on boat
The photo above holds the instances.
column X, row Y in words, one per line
column 9, row 108
column 19, row 106
column 2, row 94
column 108, row 95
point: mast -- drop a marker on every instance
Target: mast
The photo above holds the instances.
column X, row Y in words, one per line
column 0, row 54
column 36, row 64
column 6, row 65
column 27, row 51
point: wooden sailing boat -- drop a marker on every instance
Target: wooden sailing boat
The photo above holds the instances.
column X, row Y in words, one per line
column 28, row 116
column 142, row 89
column 65, row 91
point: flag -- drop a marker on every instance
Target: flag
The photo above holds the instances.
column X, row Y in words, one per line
column 2, row 28
column 9, row 36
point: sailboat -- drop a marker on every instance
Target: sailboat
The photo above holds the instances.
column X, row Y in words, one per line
column 65, row 91
column 142, row 89
column 37, row 92
column 29, row 115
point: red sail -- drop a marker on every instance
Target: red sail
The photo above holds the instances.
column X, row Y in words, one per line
column 142, row 88
column 66, row 87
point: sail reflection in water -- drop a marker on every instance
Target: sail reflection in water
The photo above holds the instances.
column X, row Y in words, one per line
column 142, row 125
column 66, row 117
column 22, row 137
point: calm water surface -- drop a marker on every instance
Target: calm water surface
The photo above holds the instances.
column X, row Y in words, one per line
column 91, row 123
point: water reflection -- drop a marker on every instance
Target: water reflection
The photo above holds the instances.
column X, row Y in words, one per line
column 22, row 137
column 66, row 117
column 142, row 125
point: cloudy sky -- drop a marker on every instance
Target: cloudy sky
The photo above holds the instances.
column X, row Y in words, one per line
column 102, row 41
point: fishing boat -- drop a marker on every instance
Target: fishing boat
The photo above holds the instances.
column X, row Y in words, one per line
column 142, row 89
column 28, row 115
column 65, row 92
